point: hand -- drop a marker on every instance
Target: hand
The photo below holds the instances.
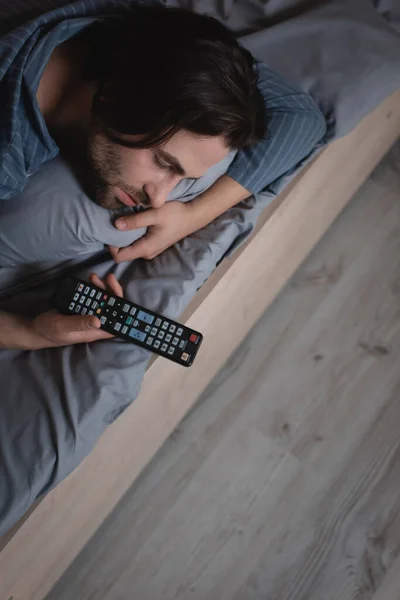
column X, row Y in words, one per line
column 166, row 226
column 54, row 329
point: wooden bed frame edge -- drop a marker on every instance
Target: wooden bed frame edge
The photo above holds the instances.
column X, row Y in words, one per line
column 41, row 547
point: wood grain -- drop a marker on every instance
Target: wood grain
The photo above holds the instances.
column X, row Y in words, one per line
column 284, row 481
column 77, row 507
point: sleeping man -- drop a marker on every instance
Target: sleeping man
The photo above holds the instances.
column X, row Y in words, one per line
column 142, row 101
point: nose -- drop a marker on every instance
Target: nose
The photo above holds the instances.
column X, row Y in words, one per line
column 157, row 193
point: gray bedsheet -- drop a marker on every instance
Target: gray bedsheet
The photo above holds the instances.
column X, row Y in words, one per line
column 55, row 403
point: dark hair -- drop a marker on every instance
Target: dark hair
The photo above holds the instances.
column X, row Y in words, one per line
column 164, row 69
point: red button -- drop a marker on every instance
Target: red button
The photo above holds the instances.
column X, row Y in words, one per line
column 193, row 337
column 105, row 297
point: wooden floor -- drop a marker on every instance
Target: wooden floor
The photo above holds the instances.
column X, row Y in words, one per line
column 284, row 482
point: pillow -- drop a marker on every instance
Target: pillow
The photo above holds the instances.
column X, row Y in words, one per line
column 53, row 219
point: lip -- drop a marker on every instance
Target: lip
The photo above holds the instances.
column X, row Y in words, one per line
column 125, row 198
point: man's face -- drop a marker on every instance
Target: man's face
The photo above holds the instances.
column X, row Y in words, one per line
column 130, row 176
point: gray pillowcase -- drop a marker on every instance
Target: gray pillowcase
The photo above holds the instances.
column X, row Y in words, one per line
column 53, row 219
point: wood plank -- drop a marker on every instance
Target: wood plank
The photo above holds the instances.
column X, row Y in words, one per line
column 75, row 508
column 313, row 511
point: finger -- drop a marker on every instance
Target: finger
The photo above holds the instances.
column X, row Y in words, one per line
column 147, row 218
column 114, row 285
column 95, row 280
column 139, row 249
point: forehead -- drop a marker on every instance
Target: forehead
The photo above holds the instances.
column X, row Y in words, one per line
column 195, row 153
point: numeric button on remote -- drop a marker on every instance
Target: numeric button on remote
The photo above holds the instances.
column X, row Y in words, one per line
column 168, row 337
column 117, row 326
column 149, row 341
column 172, row 328
column 179, row 331
column 175, row 341
column 154, row 331
column 147, row 328
column 157, row 344
column 171, row 350
column 157, row 323
column 165, row 325
column 164, row 347
column 161, row 334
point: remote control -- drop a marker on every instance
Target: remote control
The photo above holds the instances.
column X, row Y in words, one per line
column 129, row 321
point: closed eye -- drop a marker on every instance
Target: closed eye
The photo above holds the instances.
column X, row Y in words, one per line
column 162, row 165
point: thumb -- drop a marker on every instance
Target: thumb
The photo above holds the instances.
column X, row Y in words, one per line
column 78, row 323
column 143, row 219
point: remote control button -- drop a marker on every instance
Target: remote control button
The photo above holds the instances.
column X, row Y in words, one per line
column 80, row 287
column 98, row 295
column 117, row 326
column 147, row 328
column 164, row 347
column 103, row 320
column 82, row 299
column 124, row 329
column 149, row 341
column 144, row 316
column 90, row 312
column 193, row 338
column 76, row 297
column 95, row 304
column 88, row 301
column 135, row 323
column 137, row 335
column 133, row 310
column 84, row 311
column 182, row 344
column 185, row 356
column 156, row 344
column 92, row 293
column 172, row 328
column 105, row 297
column 175, row 341
column 111, row 301
column 128, row 320
column 98, row 311
column 179, row 332
column 161, row 334
column 86, row 290
column 114, row 313
column 157, row 323
column 168, row 337
column 126, row 308
column 77, row 308
column 71, row 306
column 154, row 331
column 171, row 350
column 165, row 325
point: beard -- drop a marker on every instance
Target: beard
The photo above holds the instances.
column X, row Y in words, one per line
column 103, row 172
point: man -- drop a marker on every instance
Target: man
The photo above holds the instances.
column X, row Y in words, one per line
column 145, row 98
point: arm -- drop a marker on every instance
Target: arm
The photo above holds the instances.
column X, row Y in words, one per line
column 295, row 127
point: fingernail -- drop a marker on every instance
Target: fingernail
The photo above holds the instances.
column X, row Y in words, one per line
column 120, row 223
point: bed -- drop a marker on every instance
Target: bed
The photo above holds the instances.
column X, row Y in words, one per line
column 251, row 260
